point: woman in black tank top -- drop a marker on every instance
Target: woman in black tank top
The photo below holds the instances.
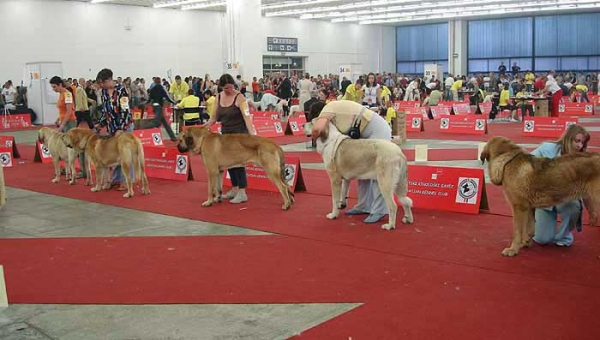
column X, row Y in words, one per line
column 233, row 113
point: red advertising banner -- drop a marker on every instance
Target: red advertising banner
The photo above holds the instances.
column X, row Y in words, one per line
column 463, row 124
column 575, row 109
column 447, row 188
column 551, row 127
column 167, row 163
column 414, row 123
column 439, row 111
column 401, row 105
column 258, row 180
column 295, row 125
column 6, row 157
column 42, row 154
column 484, row 108
column 461, row 109
column 9, row 142
column 263, row 114
column 149, row 137
column 17, row 121
column 268, row 127
column 422, row 111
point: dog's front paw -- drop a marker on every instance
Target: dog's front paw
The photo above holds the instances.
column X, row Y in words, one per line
column 71, row 182
column 128, row 195
column 332, row 216
column 407, row 220
column 55, row 180
column 207, row 203
column 94, row 189
column 388, row 226
column 88, row 182
column 106, row 187
column 510, row 252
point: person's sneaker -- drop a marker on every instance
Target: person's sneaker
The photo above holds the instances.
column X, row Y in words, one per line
column 562, row 244
column 240, row 197
column 229, row 195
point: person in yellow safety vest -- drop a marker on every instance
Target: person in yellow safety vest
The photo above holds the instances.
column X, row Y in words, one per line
column 582, row 89
column 386, row 95
column 190, row 102
column 355, row 92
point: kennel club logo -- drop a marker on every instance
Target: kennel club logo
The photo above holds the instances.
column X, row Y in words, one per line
column 294, row 126
column 416, row 122
column 278, row 128
column 444, row 123
column 6, row 159
column 45, row 152
column 157, row 139
column 289, row 173
column 479, row 125
column 8, row 143
column 529, row 125
column 467, row 190
column 181, row 164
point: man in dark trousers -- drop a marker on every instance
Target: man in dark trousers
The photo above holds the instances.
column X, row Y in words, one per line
column 285, row 92
column 156, row 96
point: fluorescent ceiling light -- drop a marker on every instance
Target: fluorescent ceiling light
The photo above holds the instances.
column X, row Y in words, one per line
column 203, row 5
column 362, row 4
column 471, row 13
column 99, row 1
column 176, row 3
column 289, row 4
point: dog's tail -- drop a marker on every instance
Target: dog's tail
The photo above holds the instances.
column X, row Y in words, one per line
column 283, row 172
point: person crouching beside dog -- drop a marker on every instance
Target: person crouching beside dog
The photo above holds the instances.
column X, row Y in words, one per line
column 116, row 116
column 574, row 139
column 233, row 113
column 66, row 116
column 344, row 114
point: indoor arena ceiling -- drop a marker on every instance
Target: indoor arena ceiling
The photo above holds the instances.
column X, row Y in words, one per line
column 381, row 11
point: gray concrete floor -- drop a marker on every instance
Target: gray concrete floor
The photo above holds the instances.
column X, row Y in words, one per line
column 34, row 215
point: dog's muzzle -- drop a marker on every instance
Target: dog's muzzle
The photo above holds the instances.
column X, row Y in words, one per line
column 307, row 127
column 182, row 148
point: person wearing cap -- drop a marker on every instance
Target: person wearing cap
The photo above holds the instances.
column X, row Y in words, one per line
column 343, row 114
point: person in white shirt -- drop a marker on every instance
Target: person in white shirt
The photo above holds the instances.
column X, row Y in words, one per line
column 9, row 93
column 553, row 88
column 448, row 86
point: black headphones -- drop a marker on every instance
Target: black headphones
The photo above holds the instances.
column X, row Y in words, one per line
column 354, row 131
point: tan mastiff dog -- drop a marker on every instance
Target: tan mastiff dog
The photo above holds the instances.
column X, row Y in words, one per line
column 103, row 153
column 347, row 159
column 57, row 146
column 222, row 151
column 531, row 182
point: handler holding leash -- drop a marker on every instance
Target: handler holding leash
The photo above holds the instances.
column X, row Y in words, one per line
column 356, row 121
column 233, row 113
column 574, row 139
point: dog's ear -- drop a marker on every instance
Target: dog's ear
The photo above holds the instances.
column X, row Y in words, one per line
column 485, row 155
column 189, row 142
column 41, row 136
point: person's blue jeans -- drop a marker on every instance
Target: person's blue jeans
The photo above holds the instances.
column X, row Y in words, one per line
column 117, row 175
column 546, row 220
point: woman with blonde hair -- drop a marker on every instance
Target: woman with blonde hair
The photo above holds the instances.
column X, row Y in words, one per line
column 574, row 139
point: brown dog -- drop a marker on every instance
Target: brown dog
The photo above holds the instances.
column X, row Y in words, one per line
column 536, row 182
column 222, row 151
column 124, row 149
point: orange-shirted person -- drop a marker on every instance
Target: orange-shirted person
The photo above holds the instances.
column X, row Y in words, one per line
column 66, row 105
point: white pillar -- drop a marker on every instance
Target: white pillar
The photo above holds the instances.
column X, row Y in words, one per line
column 457, row 47
column 245, row 38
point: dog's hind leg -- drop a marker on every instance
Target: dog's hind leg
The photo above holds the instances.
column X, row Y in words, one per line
column 100, row 177
column 519, row 219
column 212, row 177
column 402, row 193
column 219, row 187
column 274, row 174
column 71, row 155
column 343, row 203
column 386, row 187
column 529, row 229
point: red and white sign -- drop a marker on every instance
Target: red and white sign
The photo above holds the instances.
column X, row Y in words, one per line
column 414, row 123
column 9, row 142
column 263, row 114
column 258, row 180
column 439, row 111
column 295, row 124
column 149, row 137
column 551, row 127
column 463, row 124
column 6, row 157
column 422, row 111
column 401, row 105
column 575, row 109
column 461, row 109
column 268, row 127
column 167, row 163
column 216, row 128
column 447, row 188
column 485, row 108
column 42, row 154
column 16, row 121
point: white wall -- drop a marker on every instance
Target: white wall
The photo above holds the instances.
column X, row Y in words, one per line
column 88, row 37
column 327, row 45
